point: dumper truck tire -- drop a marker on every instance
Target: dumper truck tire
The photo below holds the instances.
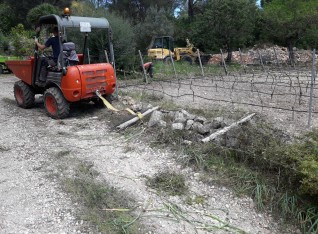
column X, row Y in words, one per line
column 23, row 94
column 56, row 106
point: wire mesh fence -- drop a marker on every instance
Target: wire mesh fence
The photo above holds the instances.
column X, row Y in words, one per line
column 285, row 94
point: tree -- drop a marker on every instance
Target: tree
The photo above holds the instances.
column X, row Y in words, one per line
column 21, row 41
column 122, row 30
column 136, row 10
column 21, row 8
column 263, row 2
column 289, row 23
column 225, row 24
column 7, row 18
column 44, row 9
column 157, row 23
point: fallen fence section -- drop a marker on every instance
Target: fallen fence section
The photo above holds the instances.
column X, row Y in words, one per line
column 135, row 119
column 226, row 129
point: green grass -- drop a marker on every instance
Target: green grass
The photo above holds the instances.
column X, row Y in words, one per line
column 169, row 182
column 181, row 70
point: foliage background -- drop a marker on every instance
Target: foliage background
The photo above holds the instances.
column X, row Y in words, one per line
column 210, row 25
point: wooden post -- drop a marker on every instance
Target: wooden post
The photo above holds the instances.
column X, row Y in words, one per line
column 202, row 72
column 260, row 59
column 276, row 57
column 226, row 129
column 241, row 59
column 313, row 78
column 143, row 68
column 172, row 62
column 135, row 119
column 223, row 62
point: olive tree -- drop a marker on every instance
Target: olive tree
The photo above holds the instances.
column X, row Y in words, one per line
column 122, row 32
column 156, row 23
column 225, row 24
column 6, row 18
column 44, row 9
column 290, row 22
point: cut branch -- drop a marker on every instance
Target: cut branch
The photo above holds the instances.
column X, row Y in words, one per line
column 135, row 119
column 226, row 129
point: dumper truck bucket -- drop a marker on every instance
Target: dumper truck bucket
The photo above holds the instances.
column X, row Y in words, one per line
column 22, row 69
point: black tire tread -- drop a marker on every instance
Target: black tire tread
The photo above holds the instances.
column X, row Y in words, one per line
column 63, row 106
column 28, row 94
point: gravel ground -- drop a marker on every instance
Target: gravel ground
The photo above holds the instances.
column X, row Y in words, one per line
column 32, row 201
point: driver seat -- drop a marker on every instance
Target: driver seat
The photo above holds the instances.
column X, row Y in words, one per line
column 69, row 54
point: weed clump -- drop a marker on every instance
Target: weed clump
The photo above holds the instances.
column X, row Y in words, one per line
column 169, row 182
column 102, row 205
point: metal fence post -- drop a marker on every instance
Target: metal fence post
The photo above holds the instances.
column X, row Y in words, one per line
column 313, row 78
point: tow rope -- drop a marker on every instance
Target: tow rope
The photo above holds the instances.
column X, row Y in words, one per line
column 110, row 107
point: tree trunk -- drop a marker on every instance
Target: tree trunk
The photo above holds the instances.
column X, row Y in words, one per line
column 229, row 56
column 291, row 54
column 190, row 9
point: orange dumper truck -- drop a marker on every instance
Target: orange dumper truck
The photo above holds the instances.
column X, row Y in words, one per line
column 66, row 81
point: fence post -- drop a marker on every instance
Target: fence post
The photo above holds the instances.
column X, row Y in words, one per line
column 200, row 62
column 143, row 68
column 223, row 62
column 174, row 68
column 241, row 59
column 313, row 78
column 261, row 59
column 276, row 57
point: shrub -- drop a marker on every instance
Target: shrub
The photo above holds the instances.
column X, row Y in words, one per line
column 44, row 9
column 6, row 18
column 22, row 41
column 122, row 32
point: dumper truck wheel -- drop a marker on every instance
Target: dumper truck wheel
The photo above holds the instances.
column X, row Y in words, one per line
column 23, row 94
column 55, row 104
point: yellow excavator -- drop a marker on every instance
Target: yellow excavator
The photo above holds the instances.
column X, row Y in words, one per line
column 162, row 47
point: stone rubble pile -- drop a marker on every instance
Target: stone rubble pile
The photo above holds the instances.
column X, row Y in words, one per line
column 198, row 126
column 270, row 55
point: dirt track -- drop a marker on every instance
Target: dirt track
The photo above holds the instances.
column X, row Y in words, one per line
column 31, row 200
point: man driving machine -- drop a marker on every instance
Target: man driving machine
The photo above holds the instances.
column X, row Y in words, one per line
column 55, row 44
